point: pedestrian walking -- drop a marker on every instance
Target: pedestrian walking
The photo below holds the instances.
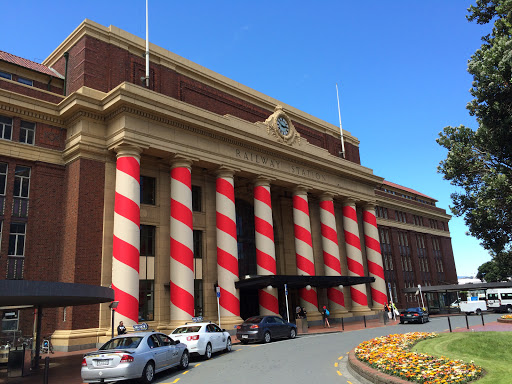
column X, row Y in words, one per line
column 395, row 311
column 387, row 309
column 121, row 329
column 325, row 316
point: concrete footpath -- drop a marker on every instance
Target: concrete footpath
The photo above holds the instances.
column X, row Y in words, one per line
column 65, row 366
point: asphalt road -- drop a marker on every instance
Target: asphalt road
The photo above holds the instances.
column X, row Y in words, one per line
column 315, row 358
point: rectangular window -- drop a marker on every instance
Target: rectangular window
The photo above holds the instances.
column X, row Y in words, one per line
column 5, row 75
column 147, row 190
column 198, row 297
column 147, row 240
column 3, row 177
column 22, row 80
column 5, row 128
column 21, row 181
column 196, row 199
column 198, row 244
column 27, row 132
column 146, row 300
column 16, row 252
column 10, row 319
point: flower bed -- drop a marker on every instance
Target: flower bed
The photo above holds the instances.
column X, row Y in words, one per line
column 507, row 317
column 391, row 355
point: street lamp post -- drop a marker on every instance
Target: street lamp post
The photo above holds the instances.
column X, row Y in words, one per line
column 113, row 305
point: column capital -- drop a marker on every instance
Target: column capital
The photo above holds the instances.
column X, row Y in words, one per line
column 300, row 189
column 224, row 171
column 179, row 160
column 369, row 205
column 262, row 181
column 126, row 149
column 349, row 201
column 327, row 196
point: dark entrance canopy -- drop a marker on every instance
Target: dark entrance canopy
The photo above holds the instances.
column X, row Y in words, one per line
column 278, row 281
column 46, row 294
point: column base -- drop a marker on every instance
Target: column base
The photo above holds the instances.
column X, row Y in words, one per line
column 361, row 311
column 339, row 313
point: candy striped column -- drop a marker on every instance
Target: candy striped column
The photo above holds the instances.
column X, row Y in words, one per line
column 374, row 257
column 126, row 239
column 304, row 247
column 227, row 250
column 354, row 256
column 265, row 248
column 331, row 252
column 182, row 242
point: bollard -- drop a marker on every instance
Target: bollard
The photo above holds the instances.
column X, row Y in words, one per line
column 46, row 369
column 342, row 324
column 449, row 323
column 364, row 319
column 481, row 314
column 467, row 324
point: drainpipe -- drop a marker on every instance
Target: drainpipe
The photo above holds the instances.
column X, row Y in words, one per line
column 66, row 57
column 49, row 83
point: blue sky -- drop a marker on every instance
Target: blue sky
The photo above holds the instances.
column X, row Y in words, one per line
column 400, row 65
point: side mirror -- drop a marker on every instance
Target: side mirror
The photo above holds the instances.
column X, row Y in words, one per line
column 223, row 330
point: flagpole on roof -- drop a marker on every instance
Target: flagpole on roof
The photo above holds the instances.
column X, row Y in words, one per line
column 147, row 46
column 342, row 153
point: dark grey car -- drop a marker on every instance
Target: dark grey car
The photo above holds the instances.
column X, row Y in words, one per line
column 414, row 315
column 265, row 328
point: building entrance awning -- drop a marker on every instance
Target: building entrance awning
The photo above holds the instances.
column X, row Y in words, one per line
column 292, row 281
column 48, row 294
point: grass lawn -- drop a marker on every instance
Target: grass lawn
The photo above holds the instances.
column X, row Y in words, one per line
column 489, row 350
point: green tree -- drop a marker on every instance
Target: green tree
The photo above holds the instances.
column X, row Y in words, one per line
column 480, row 162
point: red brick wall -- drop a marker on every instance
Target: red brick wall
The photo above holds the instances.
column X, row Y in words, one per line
column 102, row 66
column 31, row 91
column 82, row 236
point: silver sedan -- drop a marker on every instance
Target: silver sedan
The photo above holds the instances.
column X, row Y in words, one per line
column 134, row 356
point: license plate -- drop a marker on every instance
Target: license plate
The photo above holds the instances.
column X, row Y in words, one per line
column 245, row 336
column 101, row 363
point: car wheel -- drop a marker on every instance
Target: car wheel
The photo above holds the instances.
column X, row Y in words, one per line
column 228, row 345
column 478, row 311
column 208, row 351
column 184, row 360
column 266, row 337
column 401, row 321
column 509, row 308
column 148, row 373
column 293, row 333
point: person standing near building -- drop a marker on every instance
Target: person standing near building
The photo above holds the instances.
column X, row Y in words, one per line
column 121, row 329
column 325, row 315
column 396, row 314
column 387, row 309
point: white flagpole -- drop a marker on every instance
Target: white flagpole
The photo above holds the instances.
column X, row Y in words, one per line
column 341, row 128
column 147, row 46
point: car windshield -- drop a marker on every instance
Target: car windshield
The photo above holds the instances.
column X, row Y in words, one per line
column 254, row 319
column 192, row 329
column 122, row 343
column 413, row 309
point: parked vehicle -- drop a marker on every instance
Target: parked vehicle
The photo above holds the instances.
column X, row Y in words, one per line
column 203, row 338
column 414, row 315
column 499, row 299
column 265, row 328
column 473, row 306
column 136, row 355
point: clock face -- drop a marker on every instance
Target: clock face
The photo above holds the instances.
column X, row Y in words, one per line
column 282, row 125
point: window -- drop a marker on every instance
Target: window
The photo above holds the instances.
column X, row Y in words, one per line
column 146, row 300
column 147, row 190
column 196, row 199
column 198, row 244
column 5, row 75
column 22, row 80
column 10, row 319
column 381, row 212
column 5, row 128
column 147, row 240
column 3, row 182
column 27, row 132
column 198, row 297
column 418, row 220
column 400, row 216
column 16, row 253
column 21, row 181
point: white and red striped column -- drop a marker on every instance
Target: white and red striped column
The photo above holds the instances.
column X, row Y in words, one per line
column 265, row 247
column 374, row 257
column 126, row 239
column 331, row 252
column 304, row 247
column 227, row 250
column 354, row 256
column 182, row 242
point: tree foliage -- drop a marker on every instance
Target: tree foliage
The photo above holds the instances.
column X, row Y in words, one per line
column 480, row 161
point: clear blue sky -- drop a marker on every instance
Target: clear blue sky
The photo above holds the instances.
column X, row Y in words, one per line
column 401, row 67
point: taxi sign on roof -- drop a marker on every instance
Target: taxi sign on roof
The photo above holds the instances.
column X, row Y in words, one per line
column 140, row 327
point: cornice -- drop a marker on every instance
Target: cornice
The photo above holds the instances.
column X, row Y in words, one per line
column 17, row 104
column 30, row 152
column 412, row 228
column 425, row 211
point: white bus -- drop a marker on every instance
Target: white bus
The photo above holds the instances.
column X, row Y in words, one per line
column 499, row 299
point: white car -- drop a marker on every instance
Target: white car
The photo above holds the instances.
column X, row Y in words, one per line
column 203, row 338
